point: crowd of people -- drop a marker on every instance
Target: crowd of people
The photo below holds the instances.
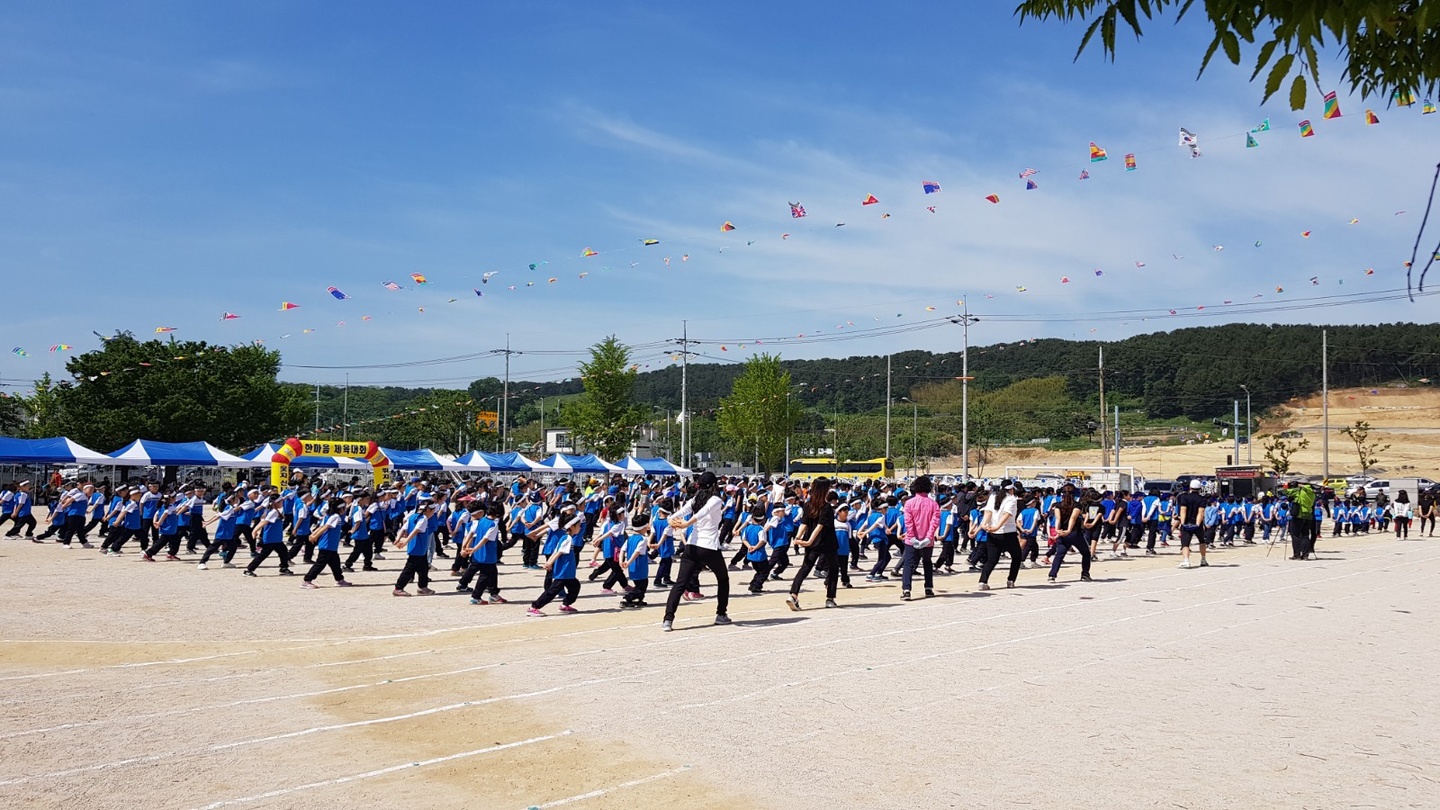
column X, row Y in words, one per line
column 643, row 533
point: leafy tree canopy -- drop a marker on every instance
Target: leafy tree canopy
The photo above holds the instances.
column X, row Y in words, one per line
column 760, row 413
column 1387, row 47
column 606, row 419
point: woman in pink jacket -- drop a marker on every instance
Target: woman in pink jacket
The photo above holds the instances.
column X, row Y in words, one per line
column 922, row 526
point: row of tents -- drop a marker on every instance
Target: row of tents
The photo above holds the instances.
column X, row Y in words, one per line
column 145, row 453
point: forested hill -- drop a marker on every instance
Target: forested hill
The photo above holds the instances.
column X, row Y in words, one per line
column 1196, row 372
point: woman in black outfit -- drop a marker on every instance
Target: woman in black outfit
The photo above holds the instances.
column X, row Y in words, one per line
column 817, row 537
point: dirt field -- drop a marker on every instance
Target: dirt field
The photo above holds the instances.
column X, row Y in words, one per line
column 1408, row 419
column 1256, row 682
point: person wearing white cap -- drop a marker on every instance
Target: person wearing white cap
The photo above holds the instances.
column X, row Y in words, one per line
column 415, row 539
column 561, row 564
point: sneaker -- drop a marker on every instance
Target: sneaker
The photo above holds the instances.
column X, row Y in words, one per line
column 348, row 568
column 984, row 586
column 882, row 578
column 1204, row 563
column 84, row 544
column 201, row 567
column 533, row 612
column 830, row 603
column 286, row 572
column 871, row 579
column 495, row 600
column 846, row 584
column 720, row 618
column 667, row 625
column 478, row 602
column 147, row 558
column 425, row 592
column 793, row 602
column 608, row 591
column 929, row 592
column 310, row 586
column 757, row 591
column 369, row 568
column 249, row 573
column 399, row 592
column 1085, row 578
column 905, row 596
column 1150, row 552
column 569, row 609
column 227, row 565
column 1184, row 564
column 460, row 587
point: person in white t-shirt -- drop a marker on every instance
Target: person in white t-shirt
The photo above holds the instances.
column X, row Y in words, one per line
column 702, row 548
column 998, row 521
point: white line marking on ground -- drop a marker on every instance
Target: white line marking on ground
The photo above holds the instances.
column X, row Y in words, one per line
column 595, row 794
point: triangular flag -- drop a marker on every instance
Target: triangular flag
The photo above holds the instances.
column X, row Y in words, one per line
column 1064, row 279
column 1084, row 174
column 419, row 278
column 727, row 226
column 1332, row 106
column 286, row 305
column 1030, row 185
column 229, row 316
column 589, row 252
column 1428, row 108
column 930, row 186
column 869, row 200
column 1403, row 98
column 994, row 198
column 649, row 242
column 1264, row 126
column 1250, row 142
column 1306, row 131
column 1371, row 119
column 1096, row 153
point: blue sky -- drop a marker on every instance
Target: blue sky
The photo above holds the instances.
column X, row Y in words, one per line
column 164, row 163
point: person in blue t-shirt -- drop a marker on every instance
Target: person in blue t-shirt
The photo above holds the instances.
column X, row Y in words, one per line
column 327, row 546
column 561, row 563
column 196, row 534
column 481, row 542
column 664, row 543
column 1135, row 522
column 167, row 518
column 129, row 524
column 754, row 537
column 226, row 539
column 272, row 539
column 636, row 557
column 415, row 539
column 362, row 526
column 873, row 529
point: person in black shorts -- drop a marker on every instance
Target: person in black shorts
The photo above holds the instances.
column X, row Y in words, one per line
column 1190, row 513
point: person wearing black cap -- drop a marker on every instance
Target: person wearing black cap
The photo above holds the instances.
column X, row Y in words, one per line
column 999, row 524
column 702, row 550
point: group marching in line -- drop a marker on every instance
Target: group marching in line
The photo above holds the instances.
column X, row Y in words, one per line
column 660, row 532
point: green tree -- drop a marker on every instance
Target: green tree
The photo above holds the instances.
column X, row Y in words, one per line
column 760, row 412
column 42, row 412
column 12, row 415
column 486, row 389
column 443, row 421
column 1278, row 452
column 176, row 392
column 1366, row 451
column 1387, row 46
column 605, row 418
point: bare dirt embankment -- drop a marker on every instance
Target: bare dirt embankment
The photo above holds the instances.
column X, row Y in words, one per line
column 1407, row 419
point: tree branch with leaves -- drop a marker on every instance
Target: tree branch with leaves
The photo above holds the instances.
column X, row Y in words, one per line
column 1366, row 451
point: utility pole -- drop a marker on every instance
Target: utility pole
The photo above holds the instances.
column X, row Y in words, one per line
column 965, row 321
column 1235, row 426
column 505, row 401
column 684, row 398
column 345, row 418
column 887, row 407
column 1117, row 436
column 1325, row 404
column 1102, row 406
column 317, row 410
column 1249, row 449
column 544, row 445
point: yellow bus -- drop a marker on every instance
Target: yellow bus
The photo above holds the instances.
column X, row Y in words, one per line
column 808, row 469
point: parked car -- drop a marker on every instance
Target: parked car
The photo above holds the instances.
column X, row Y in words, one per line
column 1158, row 486
column 1391, row 487
column 1339, row 485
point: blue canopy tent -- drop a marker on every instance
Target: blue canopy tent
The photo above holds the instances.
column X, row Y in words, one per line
column 144, row 453
column 48, row 451
column 420, row 460
column 650, row 466
column 511, row 463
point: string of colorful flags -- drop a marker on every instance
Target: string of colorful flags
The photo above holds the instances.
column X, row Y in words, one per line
column 1187, row 140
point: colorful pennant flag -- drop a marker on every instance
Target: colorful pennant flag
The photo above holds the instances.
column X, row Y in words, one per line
column 1305, row 234
column 1084, row 174
column 1264, row 126
column 1064, row 279
column 19, row 352
column 930, row 208
column 649, row 242
column 1403, row 98
column 1020, row 289
column 339, row 296
column 1332, row 106
column 1427, row 108
column 1130, row 162
column 419, row 278
column 930, row 186
column 391, row 286
column 1028, row 173
column 1030, row 185
column 1139, row 264
column 285, row 306
column 61, row 347
column 869, row 200
column 159, row 330
column 229, row 316
column 1306, row 131
column 1190, row 141
column 590, row 252
column 796, row 210
column 1096, row 153
column 1250, row 142
column 993, row 198
column 1371, row 119
column 727, row 227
